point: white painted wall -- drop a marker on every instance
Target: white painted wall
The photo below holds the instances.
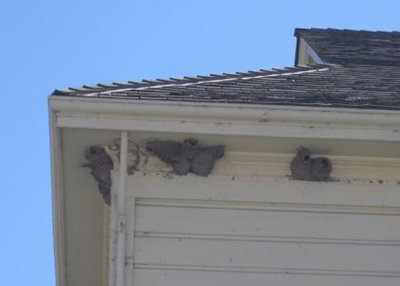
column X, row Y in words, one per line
column 249, row 225
column 219, row 231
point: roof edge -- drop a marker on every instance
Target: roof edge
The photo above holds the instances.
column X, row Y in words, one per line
column 86, row 90
column 227, row 119
column 300, row 31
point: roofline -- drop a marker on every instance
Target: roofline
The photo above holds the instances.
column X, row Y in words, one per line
column 131, row 85
column 225, row 119
column 299, row 31
column 312, row 69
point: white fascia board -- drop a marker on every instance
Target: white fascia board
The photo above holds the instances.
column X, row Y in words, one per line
column 226, row 119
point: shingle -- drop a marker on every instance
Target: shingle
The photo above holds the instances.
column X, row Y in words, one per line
column 363, row 71
column 353, row 86
column 353, row 47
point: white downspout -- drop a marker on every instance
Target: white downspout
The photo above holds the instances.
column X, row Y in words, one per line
column 121, row 215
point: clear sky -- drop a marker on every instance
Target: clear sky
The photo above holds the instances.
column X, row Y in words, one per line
column 54, row 44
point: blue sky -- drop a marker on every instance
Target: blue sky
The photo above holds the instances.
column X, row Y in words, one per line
column 54, row 44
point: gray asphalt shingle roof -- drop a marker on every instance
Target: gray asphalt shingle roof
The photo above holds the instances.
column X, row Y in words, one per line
column 353, row 47
column 350, row 84
column 353, row 86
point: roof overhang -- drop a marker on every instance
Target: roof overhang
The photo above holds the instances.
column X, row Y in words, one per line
column 225, row 119
column 263, row 128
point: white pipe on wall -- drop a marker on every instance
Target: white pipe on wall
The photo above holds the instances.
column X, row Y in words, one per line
column 121, row 227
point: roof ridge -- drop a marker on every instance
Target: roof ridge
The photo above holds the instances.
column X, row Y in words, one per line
column 298, row 31
column 144, row 84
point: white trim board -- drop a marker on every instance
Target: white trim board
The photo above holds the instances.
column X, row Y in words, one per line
column 222, row 119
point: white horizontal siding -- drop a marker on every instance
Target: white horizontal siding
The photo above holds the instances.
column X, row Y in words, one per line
column 251, row 255
column 190, row 231
column 176, row 236
column 213, row 278
column 286, row 223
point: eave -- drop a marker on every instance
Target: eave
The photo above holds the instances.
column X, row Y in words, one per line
column 226, row 119
column 376, row 129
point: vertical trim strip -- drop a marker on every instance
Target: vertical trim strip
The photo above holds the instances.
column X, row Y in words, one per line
column 121, row 228
column 296, row 54
column 57, row 186
column 130, row 245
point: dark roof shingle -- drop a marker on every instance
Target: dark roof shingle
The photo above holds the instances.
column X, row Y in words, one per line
column 353, row 47
column 365, row 74
column 351, row 86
